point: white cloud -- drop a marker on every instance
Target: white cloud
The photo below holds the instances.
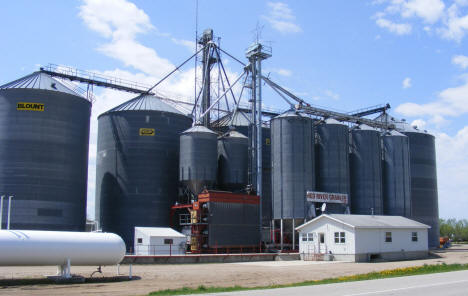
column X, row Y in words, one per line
column 406, row 83
column 455, row 25
column 282, row 18
column 461, row 61
column 419, row 123
column 399, row 29
column 429, row 11
column 451, row 102
column 450, row 22
column 452, row 173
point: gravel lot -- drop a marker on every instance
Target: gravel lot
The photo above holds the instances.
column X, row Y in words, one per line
column 157, row 277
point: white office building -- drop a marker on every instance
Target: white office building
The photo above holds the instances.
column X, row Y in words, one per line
column 362, row 238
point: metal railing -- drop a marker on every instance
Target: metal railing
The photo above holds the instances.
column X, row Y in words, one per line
column 161, row 250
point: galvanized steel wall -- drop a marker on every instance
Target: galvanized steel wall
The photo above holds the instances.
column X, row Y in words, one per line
column 366, row 172
column 396, row 174
column 332, row 161
column 44, row 159
column 233, row 224
column 137, row 173
column 424, row 196
column 198, row 159
column 293, row 171
column 233, row 160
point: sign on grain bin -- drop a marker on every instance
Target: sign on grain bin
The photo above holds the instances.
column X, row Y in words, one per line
column 329, row 197
column 146, row 131
column 21, row 106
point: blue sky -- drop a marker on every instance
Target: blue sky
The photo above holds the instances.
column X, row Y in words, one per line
column 341, row 54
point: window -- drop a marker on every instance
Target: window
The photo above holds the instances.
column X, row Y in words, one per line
column 414, row 236
column 139, row 240
column 340, row 238
column 308, row 237
column 388, row 237
column 168, row 241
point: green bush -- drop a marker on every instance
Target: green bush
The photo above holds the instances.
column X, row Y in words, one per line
column 455, row 229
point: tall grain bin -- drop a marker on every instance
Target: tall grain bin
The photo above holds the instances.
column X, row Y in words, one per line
column 137, row 161
column 396, row 174
column 242, row 125
column 198, row 159
column 424, row 196
column 332, row 157
column 366, row 171
column 44, row 139
column 233, row 160
column 293, row 172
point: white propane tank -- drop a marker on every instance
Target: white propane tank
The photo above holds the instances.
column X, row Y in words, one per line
column 31, row 247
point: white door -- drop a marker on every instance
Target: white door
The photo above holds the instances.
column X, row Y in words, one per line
column 322, row 247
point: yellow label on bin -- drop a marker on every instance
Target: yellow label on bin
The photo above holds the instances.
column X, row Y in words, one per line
column 23, row 106
column 147, row 131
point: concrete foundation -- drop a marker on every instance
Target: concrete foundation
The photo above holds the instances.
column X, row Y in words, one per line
column 208, row 258
column 368, row 257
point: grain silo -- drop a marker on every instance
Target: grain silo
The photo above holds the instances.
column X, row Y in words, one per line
column 137, row 162
column 233, row 161
column 396, row 174
column 366, row 171
column 332, row 160
column 242, row 125
column 293, row 172
column 198, row 159
column 44, row 139
column 424, row 196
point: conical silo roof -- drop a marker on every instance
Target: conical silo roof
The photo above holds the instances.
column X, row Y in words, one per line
column 40, row 80
column 144, row 102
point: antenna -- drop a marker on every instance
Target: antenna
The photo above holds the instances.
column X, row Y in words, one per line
column 196, row 49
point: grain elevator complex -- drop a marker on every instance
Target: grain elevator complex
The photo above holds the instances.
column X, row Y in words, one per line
column 232, row 176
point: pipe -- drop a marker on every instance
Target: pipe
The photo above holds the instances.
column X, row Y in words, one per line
column 281, row 233
column 1, row 211
column 293, row 235
column 9, row 211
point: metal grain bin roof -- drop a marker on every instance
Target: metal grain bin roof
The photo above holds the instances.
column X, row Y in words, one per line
column 39, row 80
column 198, row 129
column 144, row 103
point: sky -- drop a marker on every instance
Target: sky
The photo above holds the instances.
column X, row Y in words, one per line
column 340, row 54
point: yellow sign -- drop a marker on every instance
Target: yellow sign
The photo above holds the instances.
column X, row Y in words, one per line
column 267, row 141
column 30, row 106
column 147, row 131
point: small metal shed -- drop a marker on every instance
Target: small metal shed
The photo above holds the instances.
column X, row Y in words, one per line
column 159, row 241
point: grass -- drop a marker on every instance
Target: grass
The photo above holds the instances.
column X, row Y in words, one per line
column 398, row 272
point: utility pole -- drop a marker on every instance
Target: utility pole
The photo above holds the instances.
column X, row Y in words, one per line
column 208, row 60
column 256, row 53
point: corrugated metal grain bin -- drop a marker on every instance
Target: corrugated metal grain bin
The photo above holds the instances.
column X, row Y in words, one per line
column 366, row 171
column 396, row 174
column 332, row 163
column 44, row 139
column 424, row 194
column 137, row 165
column 233, row 158
column 198, row 166
column 293, row 171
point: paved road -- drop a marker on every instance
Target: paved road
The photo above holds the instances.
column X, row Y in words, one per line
column 446, row 284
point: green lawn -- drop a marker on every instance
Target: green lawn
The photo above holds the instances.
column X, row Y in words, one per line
column 416, row 270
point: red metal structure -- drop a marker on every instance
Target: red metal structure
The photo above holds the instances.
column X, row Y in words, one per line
column 222, row 222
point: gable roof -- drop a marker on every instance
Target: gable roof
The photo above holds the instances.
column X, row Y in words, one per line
column 159, row 231
column 369, row 221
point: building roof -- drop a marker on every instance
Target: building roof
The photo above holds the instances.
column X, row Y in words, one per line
column 159, row 231
column 369, row 221
column 40, row 80
column 198, row 129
